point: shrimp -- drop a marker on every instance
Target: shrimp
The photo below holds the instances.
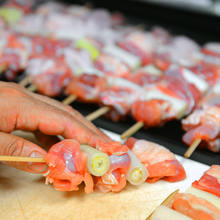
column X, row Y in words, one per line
column 159, row 161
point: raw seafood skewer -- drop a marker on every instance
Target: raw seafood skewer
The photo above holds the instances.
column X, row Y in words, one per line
column 202, row 200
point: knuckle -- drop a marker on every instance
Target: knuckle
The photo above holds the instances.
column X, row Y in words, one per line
column 15, row 147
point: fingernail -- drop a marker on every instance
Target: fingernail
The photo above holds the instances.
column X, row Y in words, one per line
column 37, row 167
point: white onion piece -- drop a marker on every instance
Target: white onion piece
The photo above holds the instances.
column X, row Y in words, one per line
column 98, row 163
column 137, row 173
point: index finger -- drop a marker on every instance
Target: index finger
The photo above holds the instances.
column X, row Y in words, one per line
column 19, row 111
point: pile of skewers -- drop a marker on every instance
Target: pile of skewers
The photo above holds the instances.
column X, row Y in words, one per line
column 151, row 75
column 92, row 56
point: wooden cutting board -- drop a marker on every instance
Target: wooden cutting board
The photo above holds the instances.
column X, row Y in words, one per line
column 25, row 196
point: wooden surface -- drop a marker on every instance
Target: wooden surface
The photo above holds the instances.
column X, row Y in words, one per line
column 25, row 196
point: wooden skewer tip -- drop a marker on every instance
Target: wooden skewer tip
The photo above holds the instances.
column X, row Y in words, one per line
column 132, row 130
column 96, row 114
column 24, row 82
column 192, row 147
column 22, row 159
column 32, row 88
column 68, row 100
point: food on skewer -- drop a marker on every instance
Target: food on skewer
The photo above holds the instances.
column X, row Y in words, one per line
column 49, row 75
column 25, row 5
column 174, row 95
column 209, row 182
column 203, row 123
column 144, row 44
column 211, row 53
column 126, row 47
column 67, row 167
column 159, row 161
column 179, row 50
column 135, row 165
column 13, row 10
column 111, row 65
column 124, row 167
column 195, row 207
column 106, row 90
column 195, row 203
column 52, row 73
column 69, row 164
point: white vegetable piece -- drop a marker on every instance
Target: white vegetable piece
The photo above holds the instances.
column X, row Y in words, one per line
column 137, row 173
column 190, row 77
column 179, row 106
column 128, row 58
column 152, row 70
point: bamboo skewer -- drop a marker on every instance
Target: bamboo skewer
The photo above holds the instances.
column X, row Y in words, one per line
column 98, row 163
column 97, row 113
column 22, row 159
column 133, row 129
column 24, row 82
column 32, row 88
column 166, row 202
column 68, row 100
column 192, row 147
column 3, row 68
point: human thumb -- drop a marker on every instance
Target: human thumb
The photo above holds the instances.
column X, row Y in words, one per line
column 11, row 145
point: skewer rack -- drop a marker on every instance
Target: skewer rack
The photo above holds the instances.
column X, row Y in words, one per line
column 201, row 27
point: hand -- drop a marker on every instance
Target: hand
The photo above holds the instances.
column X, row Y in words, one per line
column 47, row 118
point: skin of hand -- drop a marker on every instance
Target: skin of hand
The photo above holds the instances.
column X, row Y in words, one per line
column 47, row 118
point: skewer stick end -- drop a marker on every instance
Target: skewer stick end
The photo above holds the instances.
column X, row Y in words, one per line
column 22, row 159
column 69, row 99
column 192, row 147
column 96, row 114
column 132, row 130
column 24, row 82
column 32, row 88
